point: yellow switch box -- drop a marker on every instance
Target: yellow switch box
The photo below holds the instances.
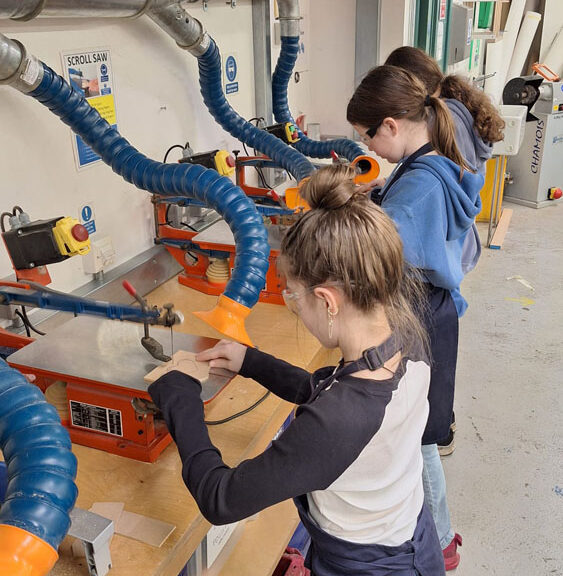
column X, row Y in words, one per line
column 224, row 163
column 71, row 237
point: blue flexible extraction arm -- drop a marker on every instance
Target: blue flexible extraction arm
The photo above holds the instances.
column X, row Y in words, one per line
column 280, row 80
column 41, row 470
column 190, row 180
column 36, row 79
column 212, row 90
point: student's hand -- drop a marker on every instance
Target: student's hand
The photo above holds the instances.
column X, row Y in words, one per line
column 225, row 354
column 369, row 186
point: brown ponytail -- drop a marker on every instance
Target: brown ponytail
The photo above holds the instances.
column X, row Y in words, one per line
column 486, row 118
column 392, row 92
column 347, row 239
column 442, row 134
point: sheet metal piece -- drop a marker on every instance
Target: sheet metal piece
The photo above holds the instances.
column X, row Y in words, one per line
column 110, row 352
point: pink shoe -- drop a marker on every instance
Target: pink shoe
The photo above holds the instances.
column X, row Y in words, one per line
column 451, row 555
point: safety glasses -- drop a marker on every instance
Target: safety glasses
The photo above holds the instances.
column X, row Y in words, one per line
column 372, row 130
column 290, row 298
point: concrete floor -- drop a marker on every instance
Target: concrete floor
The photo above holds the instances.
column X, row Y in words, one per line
column 505, row 479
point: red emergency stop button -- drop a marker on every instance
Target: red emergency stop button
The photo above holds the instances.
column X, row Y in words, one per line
column 230, row 161
column 79, row 233
column 554, row 193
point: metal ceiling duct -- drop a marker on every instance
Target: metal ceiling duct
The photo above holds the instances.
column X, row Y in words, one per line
column 25, row 10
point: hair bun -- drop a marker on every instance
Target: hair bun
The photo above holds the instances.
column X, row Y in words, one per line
column 331, row 187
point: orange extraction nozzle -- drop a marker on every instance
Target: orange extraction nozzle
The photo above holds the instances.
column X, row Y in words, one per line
column 24, row 554
column 367, row 169
column 228, row 318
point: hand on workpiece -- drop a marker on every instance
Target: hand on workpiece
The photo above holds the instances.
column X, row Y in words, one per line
column 225, row 354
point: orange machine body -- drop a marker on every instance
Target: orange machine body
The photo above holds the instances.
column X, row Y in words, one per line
column 135, row 435
column 96, row 369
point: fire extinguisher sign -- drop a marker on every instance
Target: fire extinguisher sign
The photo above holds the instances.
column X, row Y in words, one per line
column 443, row 9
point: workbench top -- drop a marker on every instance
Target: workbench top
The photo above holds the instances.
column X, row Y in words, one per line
column 157, row 490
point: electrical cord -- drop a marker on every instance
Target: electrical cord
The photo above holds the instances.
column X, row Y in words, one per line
column 28, row 321
column 2, row 216
column 27, row 330
column 261, row 176
column 237, row 414
column 172, row 148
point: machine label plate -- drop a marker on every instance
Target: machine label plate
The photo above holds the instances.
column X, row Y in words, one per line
column 96, row 418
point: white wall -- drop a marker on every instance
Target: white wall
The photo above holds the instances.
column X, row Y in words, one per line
column 396, row 22
column 331, row 61
column 158, row 104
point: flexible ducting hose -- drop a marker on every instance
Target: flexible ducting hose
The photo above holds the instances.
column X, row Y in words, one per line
column 193, row 181
column 280, row 80
column 34, row 517
column 210, row 82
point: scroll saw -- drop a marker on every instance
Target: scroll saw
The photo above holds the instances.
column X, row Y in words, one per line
column 95, row 368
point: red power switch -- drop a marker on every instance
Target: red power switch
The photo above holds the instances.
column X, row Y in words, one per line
column 80, row 233
column 554, row 193
column 230, row 161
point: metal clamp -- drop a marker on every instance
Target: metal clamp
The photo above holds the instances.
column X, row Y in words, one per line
column 95, row 532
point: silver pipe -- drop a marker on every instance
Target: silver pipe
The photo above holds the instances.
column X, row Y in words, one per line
column 168, row 14
column 289, row 17
column 19, row 69
column 188, row 32
column 29, row 9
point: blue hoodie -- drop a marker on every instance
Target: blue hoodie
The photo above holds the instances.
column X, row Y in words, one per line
column 433, row 212
column 474, row 150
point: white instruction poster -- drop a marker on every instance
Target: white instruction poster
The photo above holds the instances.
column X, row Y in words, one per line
column 90, row 72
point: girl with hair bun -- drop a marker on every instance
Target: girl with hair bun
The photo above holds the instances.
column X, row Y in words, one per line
column 351, row 458
column 433, row 197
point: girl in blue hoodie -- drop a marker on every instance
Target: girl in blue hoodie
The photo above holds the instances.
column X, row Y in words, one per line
column 433, row 197
column 478, row 125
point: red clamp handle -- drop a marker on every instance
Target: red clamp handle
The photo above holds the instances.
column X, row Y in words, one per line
column 129, row 287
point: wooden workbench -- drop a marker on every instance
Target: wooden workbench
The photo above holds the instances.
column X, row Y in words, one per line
column 157, row 490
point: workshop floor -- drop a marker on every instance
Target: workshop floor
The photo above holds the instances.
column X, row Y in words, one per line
column 505, row 479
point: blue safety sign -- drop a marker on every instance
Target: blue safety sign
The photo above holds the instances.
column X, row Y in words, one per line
column 230, row 75
column 86, row 213
column 87, row 218
column 231, row 68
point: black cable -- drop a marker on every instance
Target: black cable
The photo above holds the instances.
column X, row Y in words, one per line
column 262, row 178
column 17, row 208
column 4, row 214
column 167, row 221
column 24, row 311
column 170, row 150
column 241, row 413
column 27, row 330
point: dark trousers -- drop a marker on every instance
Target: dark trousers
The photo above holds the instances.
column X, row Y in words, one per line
column 331, row 556
column 441, row 322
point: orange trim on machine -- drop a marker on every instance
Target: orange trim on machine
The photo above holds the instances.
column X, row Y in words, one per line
column 24, row 554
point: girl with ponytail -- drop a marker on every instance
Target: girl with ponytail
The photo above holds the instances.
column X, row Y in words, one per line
column 351, row 458
column 433, row 197
column 478, row 125
column 477, row 121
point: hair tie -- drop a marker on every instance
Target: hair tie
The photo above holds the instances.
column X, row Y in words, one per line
column 427, row 101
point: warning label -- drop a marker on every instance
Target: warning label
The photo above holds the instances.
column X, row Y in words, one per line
column 96, row 418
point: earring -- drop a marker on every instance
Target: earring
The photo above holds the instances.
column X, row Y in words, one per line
column 331, row 316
